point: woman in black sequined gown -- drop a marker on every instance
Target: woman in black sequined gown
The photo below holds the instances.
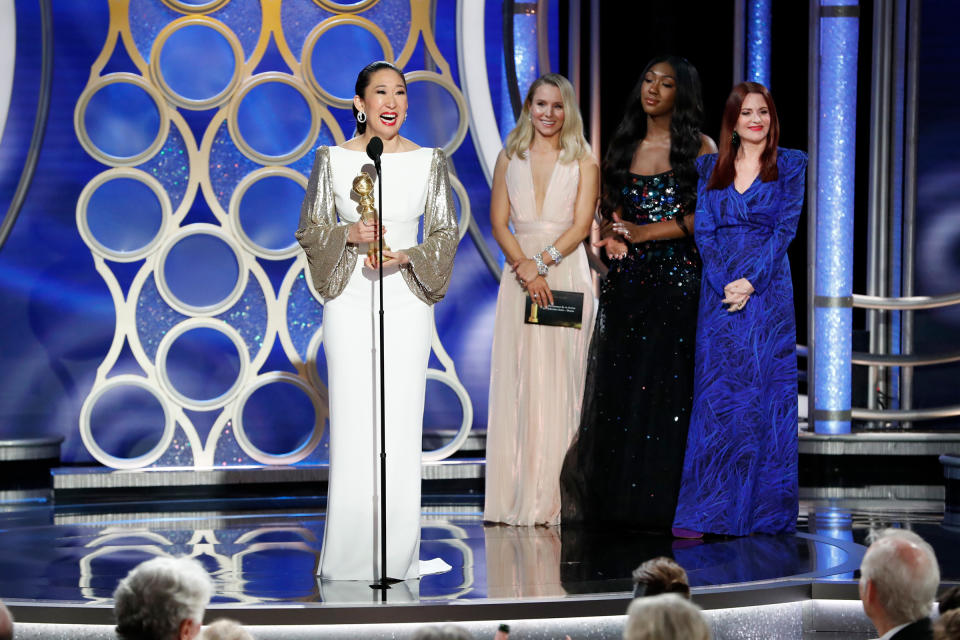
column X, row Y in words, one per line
column 624, row 466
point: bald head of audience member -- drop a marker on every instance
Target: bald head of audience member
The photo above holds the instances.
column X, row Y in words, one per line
column 6, row 623
column 899, row 577
column 660, row 575
column 667, row 616
column 162, row 599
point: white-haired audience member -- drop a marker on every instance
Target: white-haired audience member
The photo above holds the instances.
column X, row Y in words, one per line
column 665, row 617
column 899, row 577
column 6, row 623
column 441, row 632
column 225, row 629
column 162, row 599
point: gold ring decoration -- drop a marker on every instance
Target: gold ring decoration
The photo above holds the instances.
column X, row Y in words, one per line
column 234, row 129
column 311, row 41
column 188, row 7
column 462, row 122
column 346, row 7
column 80, row 125
column 193, row 21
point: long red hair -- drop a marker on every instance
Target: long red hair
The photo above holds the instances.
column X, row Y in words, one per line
column 723, row 172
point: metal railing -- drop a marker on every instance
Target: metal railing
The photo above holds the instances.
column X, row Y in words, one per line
column 907, row 360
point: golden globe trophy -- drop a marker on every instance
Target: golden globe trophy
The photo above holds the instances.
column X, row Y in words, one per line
column 363, row 185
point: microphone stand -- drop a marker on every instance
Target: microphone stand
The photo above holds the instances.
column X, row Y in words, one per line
column 384, row 582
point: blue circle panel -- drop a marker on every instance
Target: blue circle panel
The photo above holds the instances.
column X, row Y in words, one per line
column 127, row 421
column 432, row 115
column 278, row 432
column 121, row 120
column 202, row 364
column 201, row 254
column 124, row 215
column 326, row 59
column 274, row 119
column 441, row 413
column 270, row 212
column 197, row 62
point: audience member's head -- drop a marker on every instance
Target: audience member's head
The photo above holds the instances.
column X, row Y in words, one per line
column 660, row 575
column 441, row 632
column 947, row 626
column 162, row 599
column 949, row 599
column 665, row 617
column 899, row 577
column 225, row 629
column 6, row 623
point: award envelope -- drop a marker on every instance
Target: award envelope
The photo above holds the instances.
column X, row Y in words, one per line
column 566, row 310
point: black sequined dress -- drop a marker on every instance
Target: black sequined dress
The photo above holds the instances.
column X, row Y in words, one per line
column 624, row 465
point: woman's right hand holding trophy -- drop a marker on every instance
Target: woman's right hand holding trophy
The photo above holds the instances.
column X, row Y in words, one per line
column 368, row 228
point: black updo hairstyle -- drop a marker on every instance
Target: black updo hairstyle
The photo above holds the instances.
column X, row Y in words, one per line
column 684, row 138
column 363, row 81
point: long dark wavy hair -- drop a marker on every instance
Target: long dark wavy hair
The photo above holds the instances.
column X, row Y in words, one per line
column 684, row 138
column 363, row 81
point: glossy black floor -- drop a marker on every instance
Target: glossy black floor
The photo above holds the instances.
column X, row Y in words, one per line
column 265, row 551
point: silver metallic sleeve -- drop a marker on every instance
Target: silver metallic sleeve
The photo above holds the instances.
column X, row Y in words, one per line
column 431, row 261
column 323, row 238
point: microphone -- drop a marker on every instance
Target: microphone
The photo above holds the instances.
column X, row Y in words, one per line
column 375, row 150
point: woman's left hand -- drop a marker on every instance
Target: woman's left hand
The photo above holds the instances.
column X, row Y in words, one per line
column 632, row 233
column 735, row 301
column 392, row 258
column 736, row 294
column 526, row 271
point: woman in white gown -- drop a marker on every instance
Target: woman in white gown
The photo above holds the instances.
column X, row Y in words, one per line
column 415, row 185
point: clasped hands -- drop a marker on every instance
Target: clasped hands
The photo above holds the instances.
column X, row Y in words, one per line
column 362, row 231
column 531, row 280
column 616, row 234
column 736, row 294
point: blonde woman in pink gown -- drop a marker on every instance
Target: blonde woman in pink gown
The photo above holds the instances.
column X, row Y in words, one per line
column 545, row 184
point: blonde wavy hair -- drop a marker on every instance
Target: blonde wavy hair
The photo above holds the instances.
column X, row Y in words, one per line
column 573, row 145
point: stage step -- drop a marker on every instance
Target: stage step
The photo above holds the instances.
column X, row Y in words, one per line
column 102, row 484
column 25, row 465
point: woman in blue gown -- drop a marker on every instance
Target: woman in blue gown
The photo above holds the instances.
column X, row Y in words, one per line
column 740, row 467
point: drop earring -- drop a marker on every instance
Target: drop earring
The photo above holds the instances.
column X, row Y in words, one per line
column 735, row 140
column 361, row 117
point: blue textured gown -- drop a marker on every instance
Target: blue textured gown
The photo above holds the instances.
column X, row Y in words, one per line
column 740, row 468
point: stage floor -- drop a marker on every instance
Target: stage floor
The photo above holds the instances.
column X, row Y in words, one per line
column 263, row 557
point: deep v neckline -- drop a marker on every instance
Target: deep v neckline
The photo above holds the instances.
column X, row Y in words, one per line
column 749, row 186
column 538, row 210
